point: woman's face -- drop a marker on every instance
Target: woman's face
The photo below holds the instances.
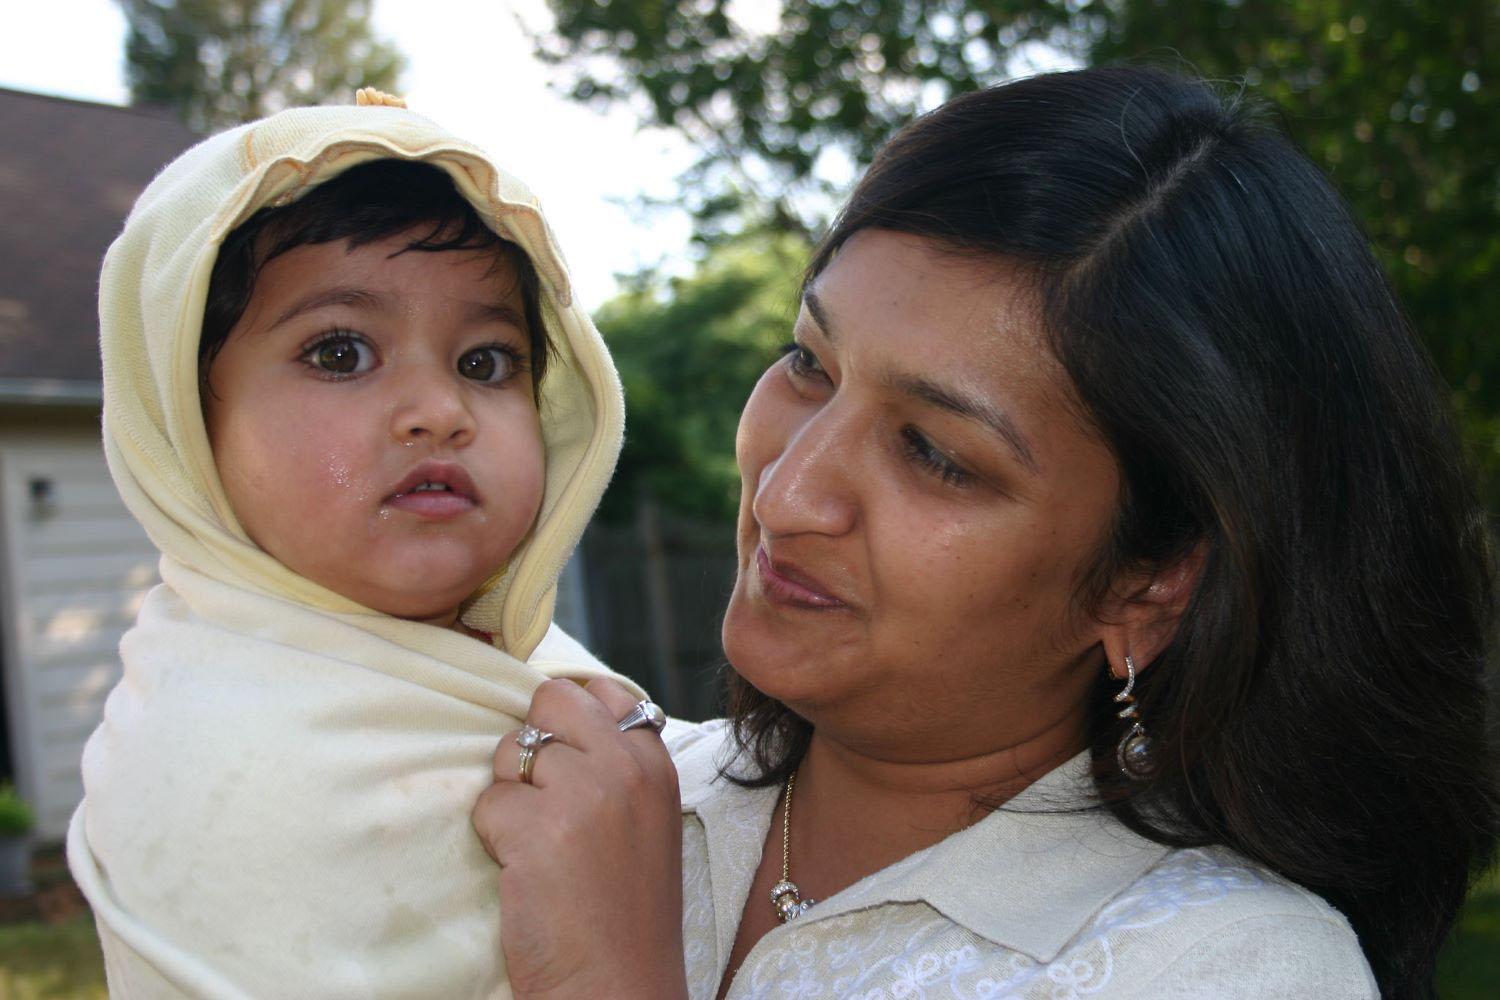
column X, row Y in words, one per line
column 919, row 501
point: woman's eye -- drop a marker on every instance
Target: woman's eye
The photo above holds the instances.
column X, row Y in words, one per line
column 803, row 362
column 925, row 454
column 341, row 354
column 490, row 365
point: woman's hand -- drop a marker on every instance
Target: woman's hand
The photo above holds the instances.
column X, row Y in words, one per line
column 590, row 852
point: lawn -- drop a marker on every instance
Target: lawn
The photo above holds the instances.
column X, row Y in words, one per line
column 61, row 961
column 1470, row 965
column 51, row 961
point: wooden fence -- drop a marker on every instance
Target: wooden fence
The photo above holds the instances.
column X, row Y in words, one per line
column 655, row 591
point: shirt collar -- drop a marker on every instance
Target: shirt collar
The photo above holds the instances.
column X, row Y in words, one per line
column 1029, row 876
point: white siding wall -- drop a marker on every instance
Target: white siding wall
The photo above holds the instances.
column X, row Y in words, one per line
column 76, row 567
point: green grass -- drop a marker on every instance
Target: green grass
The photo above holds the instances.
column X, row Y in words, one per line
column 1469, row 967
column 62, row 962
column 51, row 961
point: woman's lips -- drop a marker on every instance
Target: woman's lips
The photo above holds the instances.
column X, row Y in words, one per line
column 788, row 586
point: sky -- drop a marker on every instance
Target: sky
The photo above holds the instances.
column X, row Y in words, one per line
column 469, row 67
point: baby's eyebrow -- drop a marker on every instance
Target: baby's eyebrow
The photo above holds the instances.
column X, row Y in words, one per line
column 338, row 295
column 501, row 312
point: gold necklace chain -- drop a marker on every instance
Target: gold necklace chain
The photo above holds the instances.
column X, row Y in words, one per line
column 786, row 898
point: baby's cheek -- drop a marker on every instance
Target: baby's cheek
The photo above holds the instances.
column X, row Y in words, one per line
column 339, row 463
column 340, row 476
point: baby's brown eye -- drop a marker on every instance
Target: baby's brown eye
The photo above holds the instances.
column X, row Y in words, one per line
column 487, row 364
column 341, row 356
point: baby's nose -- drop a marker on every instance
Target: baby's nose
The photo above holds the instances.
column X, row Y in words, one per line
column 432, row 408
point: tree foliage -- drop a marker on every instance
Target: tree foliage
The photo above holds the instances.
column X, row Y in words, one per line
column 1399, row 101
column 688, row 350
column 221, row 62
column 1400, row 104
column 832, row 80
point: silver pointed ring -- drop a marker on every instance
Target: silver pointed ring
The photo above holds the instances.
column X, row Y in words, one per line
column 530, row 739
column 645, row 715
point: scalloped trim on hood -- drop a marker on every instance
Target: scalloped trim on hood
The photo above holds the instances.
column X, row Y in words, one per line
column 151, row 301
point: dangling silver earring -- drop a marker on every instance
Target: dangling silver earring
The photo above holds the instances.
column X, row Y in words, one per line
column 1134, row 752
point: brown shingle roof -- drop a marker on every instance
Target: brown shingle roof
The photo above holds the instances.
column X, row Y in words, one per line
column 69, row 172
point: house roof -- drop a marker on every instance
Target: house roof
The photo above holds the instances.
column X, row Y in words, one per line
column 69, row 172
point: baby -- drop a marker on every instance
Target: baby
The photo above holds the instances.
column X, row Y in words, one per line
column 350, row 398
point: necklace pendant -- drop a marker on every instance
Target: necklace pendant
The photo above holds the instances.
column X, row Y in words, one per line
column 788, row 901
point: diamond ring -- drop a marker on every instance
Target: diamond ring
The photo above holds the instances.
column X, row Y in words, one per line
column 530, row 739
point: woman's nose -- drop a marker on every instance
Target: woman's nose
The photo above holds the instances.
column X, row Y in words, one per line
column 810, row 484
column 432, row 407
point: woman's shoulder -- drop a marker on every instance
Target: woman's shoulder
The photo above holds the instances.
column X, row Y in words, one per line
column 681, row 735
column 1218, row 880
column 702, row 751
column 1207, row 921
column 695, row 745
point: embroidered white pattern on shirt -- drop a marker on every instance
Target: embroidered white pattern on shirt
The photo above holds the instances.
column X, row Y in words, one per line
column 915, row 953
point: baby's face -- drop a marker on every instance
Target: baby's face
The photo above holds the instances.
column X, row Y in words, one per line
column 374, row 425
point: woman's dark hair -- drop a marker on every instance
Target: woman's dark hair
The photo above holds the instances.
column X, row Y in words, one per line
column 365, row 204
column 1322, row 708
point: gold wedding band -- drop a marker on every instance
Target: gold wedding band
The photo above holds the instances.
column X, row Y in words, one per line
column 530, row 739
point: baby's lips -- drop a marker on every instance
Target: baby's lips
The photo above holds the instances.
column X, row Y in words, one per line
column 449, row 474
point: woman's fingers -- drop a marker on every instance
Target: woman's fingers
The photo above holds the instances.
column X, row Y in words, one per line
column 562, row 706
column 507, row 760
column 568, row 719
column 597, row 830
column 494, row 804
column 613, row 695
column 562, row 713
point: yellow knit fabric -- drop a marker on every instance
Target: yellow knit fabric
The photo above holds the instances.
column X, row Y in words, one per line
column 277, row 802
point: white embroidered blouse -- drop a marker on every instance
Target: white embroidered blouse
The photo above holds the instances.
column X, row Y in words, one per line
column 1026, row 903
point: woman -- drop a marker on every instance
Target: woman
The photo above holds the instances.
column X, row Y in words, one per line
column 1111, row 611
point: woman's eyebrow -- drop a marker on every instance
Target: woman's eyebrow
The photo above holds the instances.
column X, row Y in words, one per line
column 968, row 406
column 820, row 317
column 338, row 295
column 924, row 389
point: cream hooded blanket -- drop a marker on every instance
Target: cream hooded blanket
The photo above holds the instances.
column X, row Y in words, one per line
column 277, row 801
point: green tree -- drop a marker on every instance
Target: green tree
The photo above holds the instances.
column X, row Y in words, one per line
column 832, row 80
column 1398, row 101
column 221, row 62
column 688, row 350
column 1400, row 104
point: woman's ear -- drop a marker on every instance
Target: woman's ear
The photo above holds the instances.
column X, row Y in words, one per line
column 1143, row 611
